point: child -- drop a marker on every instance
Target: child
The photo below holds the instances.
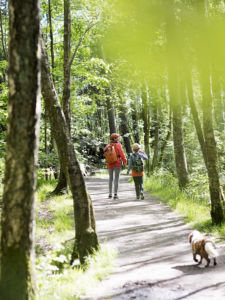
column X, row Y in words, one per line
column 137, row 166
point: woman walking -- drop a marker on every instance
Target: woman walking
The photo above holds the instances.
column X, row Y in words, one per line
column 114, row 168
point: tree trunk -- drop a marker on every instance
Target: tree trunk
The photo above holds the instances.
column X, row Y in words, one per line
column 217, row 207
column 165, row 140
column 217, row 102
column 17, row 240
column 111, row 114
column 4, row 57
column 62, row 183
column 51, row 35
column 178, row 140
column 86, row 236
column 194, row 113
column 145, row 116
column 135, row 121
column 124, row 128
column 175, row 61
column 156, row 136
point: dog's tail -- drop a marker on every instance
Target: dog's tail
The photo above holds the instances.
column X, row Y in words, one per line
column 210, row 248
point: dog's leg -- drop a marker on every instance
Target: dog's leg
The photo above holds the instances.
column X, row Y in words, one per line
column 214, row 261
column 200, row 260
column 208, row 262
column 194, row 257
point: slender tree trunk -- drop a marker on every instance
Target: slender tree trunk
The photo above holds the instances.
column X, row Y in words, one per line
column 17, row 239
column 156, row 136
column 165, row 140
column 124, row 128
column 178, row 140
column 217, row 207
column 196, row 119
column 62, row 183
column 3, row 45
column 175, row 60
column 86, row 236
column 145, row 115
column 111, row 114
column 51, row 35
column 2, row 37
column 135, row 121
column 217, row 102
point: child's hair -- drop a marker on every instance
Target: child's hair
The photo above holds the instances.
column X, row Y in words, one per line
column 136, row 147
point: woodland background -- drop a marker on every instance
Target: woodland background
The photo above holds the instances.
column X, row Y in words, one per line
column 151, row 70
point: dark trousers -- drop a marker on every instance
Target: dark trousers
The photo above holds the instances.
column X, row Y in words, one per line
column 138, row 181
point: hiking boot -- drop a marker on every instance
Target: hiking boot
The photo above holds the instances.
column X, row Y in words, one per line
column 142, row 196
column 110, row 196
column 115, row 196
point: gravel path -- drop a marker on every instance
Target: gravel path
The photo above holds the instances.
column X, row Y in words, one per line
column 154, row 260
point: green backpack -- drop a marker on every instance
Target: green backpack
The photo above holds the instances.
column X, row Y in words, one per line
column 137, row 163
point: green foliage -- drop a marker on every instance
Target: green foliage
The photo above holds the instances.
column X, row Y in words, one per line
column 193, row 203
column 55, row 240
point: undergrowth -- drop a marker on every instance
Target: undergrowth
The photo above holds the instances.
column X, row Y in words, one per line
column 193, row 203
column 56, row 279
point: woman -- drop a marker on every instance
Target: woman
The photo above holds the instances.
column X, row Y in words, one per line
column 115, row 167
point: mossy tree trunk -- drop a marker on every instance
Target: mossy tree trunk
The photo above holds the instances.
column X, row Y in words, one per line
column 17, row 239
column 86, row 237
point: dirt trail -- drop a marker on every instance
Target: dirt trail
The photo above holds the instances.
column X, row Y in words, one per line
column 154, row 260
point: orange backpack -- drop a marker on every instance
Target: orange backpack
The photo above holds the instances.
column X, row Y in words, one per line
column 110, row 154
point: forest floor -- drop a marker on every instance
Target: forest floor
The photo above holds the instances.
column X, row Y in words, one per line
column 154, row 259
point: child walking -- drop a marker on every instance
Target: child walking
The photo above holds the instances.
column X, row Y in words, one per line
column 137, row 166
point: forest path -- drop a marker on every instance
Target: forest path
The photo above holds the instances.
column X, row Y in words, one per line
column 154, row 260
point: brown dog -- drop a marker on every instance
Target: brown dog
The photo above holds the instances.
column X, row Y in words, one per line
column 202, row 246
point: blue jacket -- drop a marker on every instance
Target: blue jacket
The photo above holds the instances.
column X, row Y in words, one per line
column 143, row 155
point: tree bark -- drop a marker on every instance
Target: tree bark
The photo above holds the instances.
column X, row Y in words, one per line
column 145, row 116
column 86, row 237
column 196, row 119
column 111, row 114
column 178, row 140
column 156, row 136
column 217, row 207
column 17, row 240
column 51, row 34
column 62, row 182
column 135, row 121
column 165, row 140
column 217, row 101
column 175, row 61
column 124, row 128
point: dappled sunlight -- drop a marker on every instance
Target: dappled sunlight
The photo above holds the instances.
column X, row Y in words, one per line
column 152, row 243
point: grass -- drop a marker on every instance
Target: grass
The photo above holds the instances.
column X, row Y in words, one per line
column 56, row 279
column 193, row 203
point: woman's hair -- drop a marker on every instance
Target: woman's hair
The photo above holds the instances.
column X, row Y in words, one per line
column 114, row 136
column 136, row 147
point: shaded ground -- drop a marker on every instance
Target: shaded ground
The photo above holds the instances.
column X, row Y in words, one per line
column 154, row 260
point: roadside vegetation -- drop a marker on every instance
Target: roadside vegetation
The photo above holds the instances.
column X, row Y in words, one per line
column 56, row 279
column 193, row 203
